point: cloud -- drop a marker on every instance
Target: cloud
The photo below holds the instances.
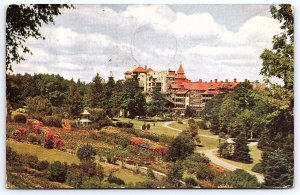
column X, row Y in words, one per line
column 98, row 38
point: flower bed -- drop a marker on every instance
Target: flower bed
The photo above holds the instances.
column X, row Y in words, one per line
column 216, row 168
column 49, row 138
column 145, row 143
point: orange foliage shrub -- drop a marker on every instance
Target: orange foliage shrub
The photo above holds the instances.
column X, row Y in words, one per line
column 206, row 184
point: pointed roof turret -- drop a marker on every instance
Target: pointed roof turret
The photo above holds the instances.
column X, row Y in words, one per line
column 180, row 70
column 85, row 112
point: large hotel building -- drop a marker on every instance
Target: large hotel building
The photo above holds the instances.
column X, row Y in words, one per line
column 180, row 91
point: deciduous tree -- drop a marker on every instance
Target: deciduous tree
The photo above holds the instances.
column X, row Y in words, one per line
column 86, row 153
column 181, row 147
column 24, row 21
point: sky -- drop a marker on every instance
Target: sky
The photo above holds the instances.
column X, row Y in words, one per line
column 210, row 41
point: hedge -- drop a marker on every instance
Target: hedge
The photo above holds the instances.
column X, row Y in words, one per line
column 20, row 118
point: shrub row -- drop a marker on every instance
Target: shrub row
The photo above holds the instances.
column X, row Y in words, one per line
column 124, row 124
column 85, row 175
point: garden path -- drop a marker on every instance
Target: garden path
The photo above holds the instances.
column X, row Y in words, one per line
column 216, row 160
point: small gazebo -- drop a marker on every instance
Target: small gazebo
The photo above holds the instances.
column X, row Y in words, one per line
column 231, row 145
column 84, row 118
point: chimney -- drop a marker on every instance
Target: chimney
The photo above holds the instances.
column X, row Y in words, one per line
column 234, row 80
column 146, row 67
column 216, row 80
column 210, row 81
column 226, row 80
column 200, row 80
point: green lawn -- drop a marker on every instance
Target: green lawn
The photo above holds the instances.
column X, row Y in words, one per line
column 125, row 174
column 56, row 155
column 176, row 125
column 207, row 132
column 207, row 143
column 163, row 130
column 255, row 154
column 158, row 128
column 42, row 153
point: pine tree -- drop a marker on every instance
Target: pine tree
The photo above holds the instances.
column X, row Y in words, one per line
column 95, row 95
column 241, row 150
column 278, row 172
column 74, row 100
column 117, row 98
column 108, row 90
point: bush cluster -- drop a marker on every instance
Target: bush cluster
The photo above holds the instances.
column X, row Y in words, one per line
column 205, row 172
column 20, row 118
column 124, row 124
column 52, row 121
column 116, row 180
column 190, row 182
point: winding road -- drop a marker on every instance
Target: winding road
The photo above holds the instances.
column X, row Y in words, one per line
column 216, row 160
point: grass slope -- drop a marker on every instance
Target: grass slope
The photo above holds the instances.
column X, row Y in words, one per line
column 42, row 153
column 56, row 155
column 157, row 129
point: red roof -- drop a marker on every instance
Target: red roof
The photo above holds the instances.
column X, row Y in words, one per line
column 149, row 70
column 180, row 70
column 127, row 72
column 180, row 76
column 182, row 92
column 206, row 87
column 140, row 70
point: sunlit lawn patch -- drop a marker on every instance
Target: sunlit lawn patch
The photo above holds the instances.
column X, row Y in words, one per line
column 42, row 153
column 207, row 143
column 157, row 129
column 177, row 125
column 56, row 155
column 255, row 154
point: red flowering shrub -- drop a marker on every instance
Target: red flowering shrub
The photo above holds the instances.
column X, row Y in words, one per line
column 159, row 149
column 36, row 129
column 52, row 140
column 49, row 142
column 217, row 169
column 136, row 141
column 52, row 134
column 22, row 131
column 35, row 125
column 19, row 134
column 34, row 122
column 206, row 183
column 59, row 144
